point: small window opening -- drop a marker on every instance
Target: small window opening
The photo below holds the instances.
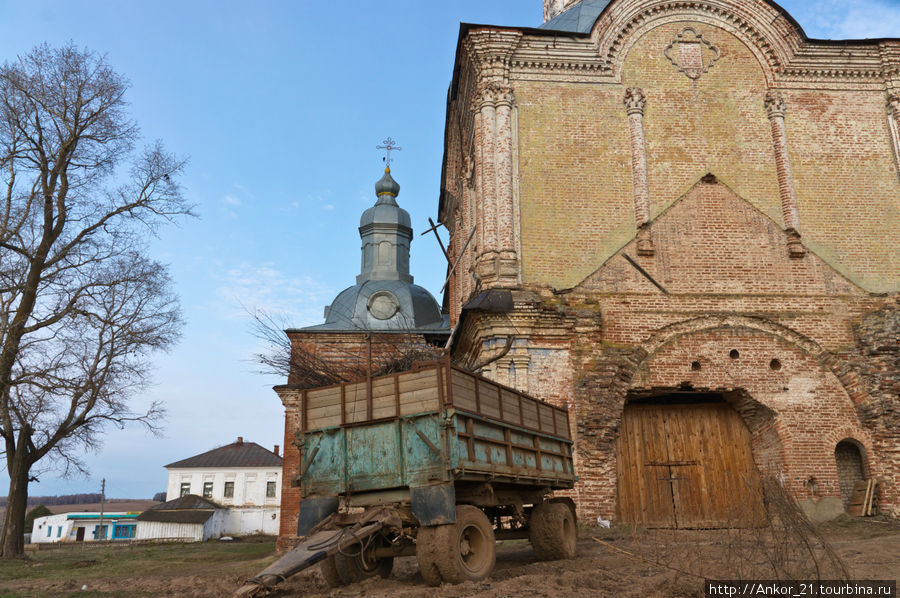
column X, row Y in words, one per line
column 734, row 354
column 207, row 489
column 775, row 365
column 695, row 366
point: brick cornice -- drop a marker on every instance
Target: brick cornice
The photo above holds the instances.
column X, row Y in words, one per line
column 490, row 52
column 787, row 56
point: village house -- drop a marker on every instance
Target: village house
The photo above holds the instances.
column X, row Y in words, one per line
column 682, row 221
column 84, row 527
column 243, row 478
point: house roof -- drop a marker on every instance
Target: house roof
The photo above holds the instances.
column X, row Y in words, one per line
column 189, row 508
column 579, row 18
column 236, row 454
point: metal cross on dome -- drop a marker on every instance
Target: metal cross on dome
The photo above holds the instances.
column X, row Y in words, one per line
column 389, row 146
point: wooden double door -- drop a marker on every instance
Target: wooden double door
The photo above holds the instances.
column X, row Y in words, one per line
column 687, row 466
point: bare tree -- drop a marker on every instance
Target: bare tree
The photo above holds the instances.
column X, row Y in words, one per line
column 310, row 369
column 81, row 305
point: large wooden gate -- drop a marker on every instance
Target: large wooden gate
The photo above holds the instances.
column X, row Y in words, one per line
column 687, row 466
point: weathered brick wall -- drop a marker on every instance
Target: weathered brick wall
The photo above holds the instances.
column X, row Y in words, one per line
column 801, row 334
column 799, row 135
column 574, row 155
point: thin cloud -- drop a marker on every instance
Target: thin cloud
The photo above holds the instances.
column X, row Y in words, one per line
column 262, row 286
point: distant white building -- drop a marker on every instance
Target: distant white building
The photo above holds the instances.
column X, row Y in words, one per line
column 84, row 527
column 188, row 518
column 242, row 477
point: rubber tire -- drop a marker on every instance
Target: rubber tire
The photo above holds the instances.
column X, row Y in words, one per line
column 429, row 546
column 353, row 569
column 347, row 567
column 463, row 551
column 329, row 571
column 552, row 531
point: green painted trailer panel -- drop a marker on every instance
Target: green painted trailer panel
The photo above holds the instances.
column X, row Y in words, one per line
column 410, row 451
column 455, row 441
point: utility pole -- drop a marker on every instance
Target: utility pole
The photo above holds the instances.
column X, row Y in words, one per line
column 102, row 501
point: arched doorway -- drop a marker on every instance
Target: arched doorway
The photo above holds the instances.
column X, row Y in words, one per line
column 684, row 461
column 850, row 467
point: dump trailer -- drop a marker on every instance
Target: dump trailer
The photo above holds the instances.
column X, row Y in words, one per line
column 435, row 462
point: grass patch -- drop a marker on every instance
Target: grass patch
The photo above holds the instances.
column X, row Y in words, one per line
column 133, row 560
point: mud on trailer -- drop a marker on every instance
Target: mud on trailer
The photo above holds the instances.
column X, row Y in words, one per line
column 435, row 462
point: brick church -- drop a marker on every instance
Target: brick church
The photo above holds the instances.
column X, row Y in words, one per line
column 682, row 220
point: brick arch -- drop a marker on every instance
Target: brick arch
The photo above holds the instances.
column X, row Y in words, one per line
column 765, row 30
column 826, row 359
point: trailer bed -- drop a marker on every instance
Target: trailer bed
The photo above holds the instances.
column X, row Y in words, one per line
column 435, row 424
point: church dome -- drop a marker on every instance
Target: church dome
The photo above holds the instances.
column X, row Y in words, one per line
column 384, row 305
column 384, row 296
column 387, row 184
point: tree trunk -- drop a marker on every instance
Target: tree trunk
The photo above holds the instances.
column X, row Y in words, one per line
column 12, row 541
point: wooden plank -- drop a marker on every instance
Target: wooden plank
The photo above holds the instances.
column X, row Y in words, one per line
column 510, row 402
column 858, row 498
column 396, row 395
column 355, row 402
column 547, row 422
column 416, row 380
column 323, row 397
column 529, row 413
column 463, row 389
column 489, row 399
column 869, row 510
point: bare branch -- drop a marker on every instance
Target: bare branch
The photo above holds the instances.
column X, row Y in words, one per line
column 81, row 307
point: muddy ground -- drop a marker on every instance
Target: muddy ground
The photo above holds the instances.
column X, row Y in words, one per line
column 627, row 563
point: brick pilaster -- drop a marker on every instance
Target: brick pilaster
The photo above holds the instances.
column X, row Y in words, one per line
column 634, row 101
column 893, row 110
column 776, row 110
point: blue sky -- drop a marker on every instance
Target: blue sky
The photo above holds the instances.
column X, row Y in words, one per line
column 279, row 106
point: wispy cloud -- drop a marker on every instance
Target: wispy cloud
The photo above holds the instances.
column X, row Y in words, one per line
column 319, row 200
column 232, row 200
column 261, row 286
column 838, row 19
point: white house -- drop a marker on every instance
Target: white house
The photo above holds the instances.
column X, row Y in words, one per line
column 84, row 527
column 242, row 477
column 189, row 518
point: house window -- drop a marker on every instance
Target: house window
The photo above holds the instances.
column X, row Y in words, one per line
column 124, row 532
column 59, row 532
column 229, row 489
column 207, row 489
column 270, row 489
column 100, row 532
column 185, row 488
column 49, row 530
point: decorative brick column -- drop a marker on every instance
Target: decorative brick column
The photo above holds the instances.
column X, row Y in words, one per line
column 634, row 105
column 496, row 261
column 893, row 111
column 776, row 109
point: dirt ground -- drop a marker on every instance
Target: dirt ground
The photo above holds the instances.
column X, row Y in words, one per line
column 627, row 563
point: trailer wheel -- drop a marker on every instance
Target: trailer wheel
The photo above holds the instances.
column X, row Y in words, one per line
column 430, row 543
column 552, row 531
column 349, row 566
column 329, row 571
column 464, row 551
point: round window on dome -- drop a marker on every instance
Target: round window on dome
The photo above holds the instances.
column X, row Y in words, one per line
column 383, row 305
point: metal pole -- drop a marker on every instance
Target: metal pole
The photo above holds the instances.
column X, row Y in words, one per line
column 102, row 501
